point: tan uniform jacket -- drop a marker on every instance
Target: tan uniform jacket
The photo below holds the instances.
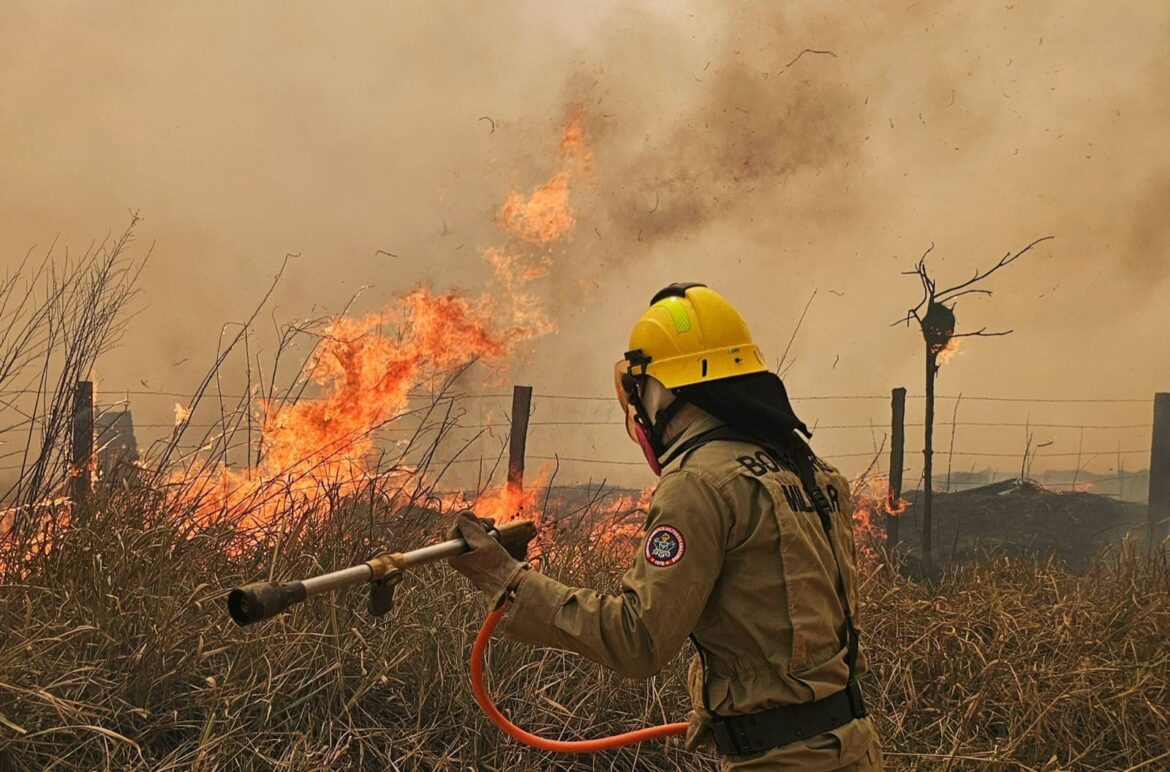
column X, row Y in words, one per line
column 734, row 556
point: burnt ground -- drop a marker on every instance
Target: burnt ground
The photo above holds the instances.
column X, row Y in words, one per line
column 1024, row 519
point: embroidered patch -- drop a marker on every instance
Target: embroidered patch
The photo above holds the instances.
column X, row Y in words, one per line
column 665, row 546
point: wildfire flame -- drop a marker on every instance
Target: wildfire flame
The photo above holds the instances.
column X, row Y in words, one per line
column 366, row 368
column 619, row 524
column 502, row 502
column 29, row 532
column 872, row 505
column 544, row 215
column 575, row 141
column 948, row 352
column 321, row 450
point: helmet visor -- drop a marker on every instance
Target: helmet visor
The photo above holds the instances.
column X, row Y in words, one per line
column 626, row 387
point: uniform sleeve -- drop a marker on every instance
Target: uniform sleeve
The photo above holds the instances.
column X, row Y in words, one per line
column 638, row 631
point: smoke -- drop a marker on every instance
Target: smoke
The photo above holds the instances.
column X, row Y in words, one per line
column 784, row 96
column 766, row 149
column 757, row 110
column 1146, row 256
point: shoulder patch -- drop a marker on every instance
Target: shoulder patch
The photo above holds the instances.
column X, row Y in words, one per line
column 665, row 546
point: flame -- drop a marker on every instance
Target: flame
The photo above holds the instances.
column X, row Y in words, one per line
column 575, row 141
column 872, row 505
column 321, row 450
column 367, row 374
column 503, row 503
column 948, row 352
column 23, row 542
column 366, row 368
column 507, row 502
column 538, row 220
column 1081, row 486
column 544, row 215
column 619, row 526
column 181, row 414
column 513, row 272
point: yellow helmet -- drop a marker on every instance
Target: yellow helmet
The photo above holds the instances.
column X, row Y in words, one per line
column 691, row 334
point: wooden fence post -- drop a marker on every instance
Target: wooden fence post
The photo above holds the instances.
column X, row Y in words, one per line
column 81, row 455
column 897, row 461
column 1159, row 501
column 521, row 407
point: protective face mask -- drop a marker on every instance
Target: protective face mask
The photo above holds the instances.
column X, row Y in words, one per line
column 633, row 428
column 647, row 449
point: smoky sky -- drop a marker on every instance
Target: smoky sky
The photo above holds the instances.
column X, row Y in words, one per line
column 769, row 150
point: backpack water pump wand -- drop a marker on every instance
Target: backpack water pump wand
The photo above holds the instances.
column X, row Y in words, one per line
column 264, row 600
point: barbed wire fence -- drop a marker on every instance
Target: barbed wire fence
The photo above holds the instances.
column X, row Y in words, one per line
column 583, row 435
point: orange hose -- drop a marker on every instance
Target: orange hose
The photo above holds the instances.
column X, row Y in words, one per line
column 478, row 658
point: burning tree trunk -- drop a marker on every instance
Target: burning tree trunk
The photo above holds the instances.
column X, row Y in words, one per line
column 928, row 459
column 938, row 330
column 936, row 320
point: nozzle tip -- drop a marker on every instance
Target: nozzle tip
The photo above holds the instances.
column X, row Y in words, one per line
column 262, row 600
column 239, row 606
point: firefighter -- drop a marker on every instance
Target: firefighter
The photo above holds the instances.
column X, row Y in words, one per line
column 748, row 551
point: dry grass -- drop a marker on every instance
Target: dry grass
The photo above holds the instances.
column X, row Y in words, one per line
column 1020, row 665
column 117, row 652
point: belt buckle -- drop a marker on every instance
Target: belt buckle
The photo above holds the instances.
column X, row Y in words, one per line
column 856, row 699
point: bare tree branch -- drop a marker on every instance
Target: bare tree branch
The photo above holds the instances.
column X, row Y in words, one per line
column 927, row 288
column 970, row 292
column 1009, row 258
column 983, row 333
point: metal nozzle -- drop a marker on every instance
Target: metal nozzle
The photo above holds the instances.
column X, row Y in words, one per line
column 263, row 600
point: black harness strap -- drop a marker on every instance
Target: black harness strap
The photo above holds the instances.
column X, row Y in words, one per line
column 804, row 463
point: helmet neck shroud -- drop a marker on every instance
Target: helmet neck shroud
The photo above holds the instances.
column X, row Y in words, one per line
column 756, row 405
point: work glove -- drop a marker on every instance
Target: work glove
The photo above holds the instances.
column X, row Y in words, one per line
column 487, row 564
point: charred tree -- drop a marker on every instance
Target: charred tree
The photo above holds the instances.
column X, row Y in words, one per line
column 935, row 315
